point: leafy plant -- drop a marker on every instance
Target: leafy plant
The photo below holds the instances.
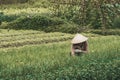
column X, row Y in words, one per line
column 116, row 23
column 34, row 22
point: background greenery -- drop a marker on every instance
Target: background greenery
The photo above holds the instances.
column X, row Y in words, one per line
column 47, row 16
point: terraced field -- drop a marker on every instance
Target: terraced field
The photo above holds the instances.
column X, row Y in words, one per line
column 22, row 38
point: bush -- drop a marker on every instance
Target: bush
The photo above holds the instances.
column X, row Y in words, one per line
column 1, row 17
column 107, row 32
column 7, row 18
column 42, row 3
column 34, row 22
column 44, row 23
column 116, row 23
column 40, row 22
column 66, row 28
column 69, row 28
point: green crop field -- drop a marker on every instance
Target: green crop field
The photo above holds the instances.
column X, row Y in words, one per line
column 36, row 55
column 35, row 39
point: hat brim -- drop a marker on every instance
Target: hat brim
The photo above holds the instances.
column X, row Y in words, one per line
column 79, row 39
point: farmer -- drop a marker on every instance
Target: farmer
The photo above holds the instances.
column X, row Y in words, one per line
column 79, row 45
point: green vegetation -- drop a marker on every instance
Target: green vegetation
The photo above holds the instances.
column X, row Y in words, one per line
column 71, row 18
column 52, row 61
column 107, row 32
column 34, row 22
column 14, row 39
column 117, row 22
column 35, row 40
column 88, row 13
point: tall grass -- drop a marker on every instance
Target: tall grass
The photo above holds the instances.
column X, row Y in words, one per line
column 52, row 61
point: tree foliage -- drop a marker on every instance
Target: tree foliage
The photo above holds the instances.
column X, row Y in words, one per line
column 95, row 13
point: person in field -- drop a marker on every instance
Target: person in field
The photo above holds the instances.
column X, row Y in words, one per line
column 79, row 45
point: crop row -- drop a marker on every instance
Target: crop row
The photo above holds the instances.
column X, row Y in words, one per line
column 18, row 34
column 32, row 36
column 34, row 41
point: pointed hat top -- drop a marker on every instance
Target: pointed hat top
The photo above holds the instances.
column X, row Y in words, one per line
column 79, row 39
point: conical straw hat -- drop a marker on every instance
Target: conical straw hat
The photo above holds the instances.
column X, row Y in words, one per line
column 79, row 39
